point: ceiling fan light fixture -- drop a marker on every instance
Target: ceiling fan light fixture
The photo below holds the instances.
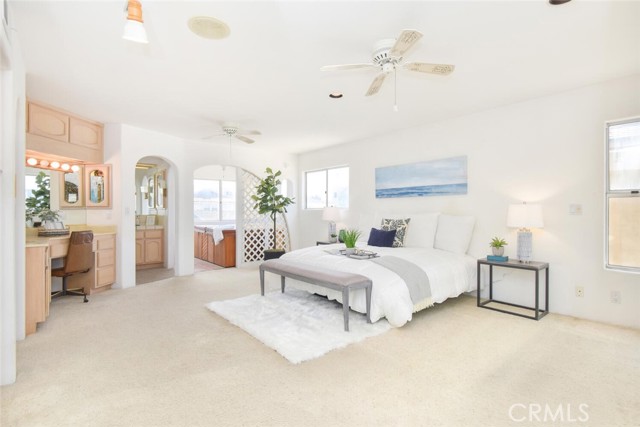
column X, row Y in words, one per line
column 208, row 27
column 134, row 29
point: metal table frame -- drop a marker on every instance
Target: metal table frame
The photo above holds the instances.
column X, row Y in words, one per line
column 532, row 266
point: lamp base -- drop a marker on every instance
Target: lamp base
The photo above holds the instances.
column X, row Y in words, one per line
column 525, row 245
column 332, row 232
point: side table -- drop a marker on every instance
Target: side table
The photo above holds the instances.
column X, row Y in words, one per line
column 534, row 266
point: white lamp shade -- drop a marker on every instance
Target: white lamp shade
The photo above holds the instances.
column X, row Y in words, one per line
column 135, row 32
column 331, row 214
column 525, row 216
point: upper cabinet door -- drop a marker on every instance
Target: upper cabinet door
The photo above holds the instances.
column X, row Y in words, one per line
column 49, row 123
column 85, row 133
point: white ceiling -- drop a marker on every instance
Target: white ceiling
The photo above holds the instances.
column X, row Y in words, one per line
column 266, row 74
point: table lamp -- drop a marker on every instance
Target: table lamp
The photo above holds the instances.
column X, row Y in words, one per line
column 523, row 217
column 331, row 214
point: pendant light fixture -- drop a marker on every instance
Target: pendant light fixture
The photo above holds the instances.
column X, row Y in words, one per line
column 133, row 28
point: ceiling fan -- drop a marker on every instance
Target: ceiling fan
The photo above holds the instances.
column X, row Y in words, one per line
column 387, row 57
column 233, row 131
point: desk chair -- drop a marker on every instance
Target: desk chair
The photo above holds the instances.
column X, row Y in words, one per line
column 79, row 260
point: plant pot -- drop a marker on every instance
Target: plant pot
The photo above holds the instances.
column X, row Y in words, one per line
column 350, row 251
column 497, row 251
column 273, row 254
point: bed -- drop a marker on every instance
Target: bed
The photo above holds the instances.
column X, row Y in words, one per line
column 438, row 247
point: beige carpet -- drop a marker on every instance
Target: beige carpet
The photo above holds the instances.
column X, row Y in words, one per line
column 155, row 356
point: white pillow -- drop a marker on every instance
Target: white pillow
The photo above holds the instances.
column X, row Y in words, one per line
column 454, row 233
column 422, row 230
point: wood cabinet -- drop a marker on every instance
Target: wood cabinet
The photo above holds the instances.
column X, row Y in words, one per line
column 149, row 248
column 57, row 132
column 38, row 286
column 105, row 260
column 222, row 254
column 38, row 274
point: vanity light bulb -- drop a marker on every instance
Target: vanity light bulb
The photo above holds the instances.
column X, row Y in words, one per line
column 75, row 168
column 31, row 161
column 44, row 163
column 55, row 164
column 65, row 167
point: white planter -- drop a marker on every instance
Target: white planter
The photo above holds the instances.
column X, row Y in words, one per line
column 498, row 251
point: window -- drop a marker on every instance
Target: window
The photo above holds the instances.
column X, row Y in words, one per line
column 623, row 195
column 327, row 187
column 213, row 201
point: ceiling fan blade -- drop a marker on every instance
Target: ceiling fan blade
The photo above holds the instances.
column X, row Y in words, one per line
column 423, row 67
column 376, row 84
column 407, row 39
column 213, row 136
column 245, row 139
column 346, row 67
column 249, row 132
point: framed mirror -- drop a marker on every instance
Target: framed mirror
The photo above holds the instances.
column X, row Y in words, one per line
column 98, row 186
column 71, row 189
column 161, row 185
column 151, row 200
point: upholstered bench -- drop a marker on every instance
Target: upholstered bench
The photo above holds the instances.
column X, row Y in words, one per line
column 336, row 280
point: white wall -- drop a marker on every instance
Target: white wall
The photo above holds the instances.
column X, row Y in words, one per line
column 12, row 107
column 548, row 150
column 125, row 145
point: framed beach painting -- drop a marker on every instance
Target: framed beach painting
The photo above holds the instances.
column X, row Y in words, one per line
column 443, row 177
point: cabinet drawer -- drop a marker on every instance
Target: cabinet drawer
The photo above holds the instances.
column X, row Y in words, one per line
column 107, row 242
column 105, row 258
column 153, row 234
column 105, row 276
column 139, row 235
column 59, row 248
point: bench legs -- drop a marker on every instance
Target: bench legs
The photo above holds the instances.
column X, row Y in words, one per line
column 345, row 299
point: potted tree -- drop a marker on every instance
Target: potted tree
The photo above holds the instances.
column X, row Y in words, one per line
column 39, row 200
column 270, row 201
column 497, row 246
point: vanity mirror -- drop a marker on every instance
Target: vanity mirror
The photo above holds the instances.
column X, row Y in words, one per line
column 71, row 189
column 98, row 186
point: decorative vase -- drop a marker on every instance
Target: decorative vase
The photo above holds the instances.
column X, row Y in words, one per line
column 497, row 251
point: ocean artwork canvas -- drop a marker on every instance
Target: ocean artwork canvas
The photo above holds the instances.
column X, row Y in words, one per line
column 442, row 177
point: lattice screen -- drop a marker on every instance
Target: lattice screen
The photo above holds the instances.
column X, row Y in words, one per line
column 257, row 230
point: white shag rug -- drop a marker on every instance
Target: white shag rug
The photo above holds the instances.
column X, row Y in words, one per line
column 297, row 324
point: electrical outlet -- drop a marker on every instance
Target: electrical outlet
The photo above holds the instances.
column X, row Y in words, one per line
column 579, row 291
column 615, row 297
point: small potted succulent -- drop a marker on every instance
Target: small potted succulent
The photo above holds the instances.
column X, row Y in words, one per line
column 350, row 238
column 497, row 246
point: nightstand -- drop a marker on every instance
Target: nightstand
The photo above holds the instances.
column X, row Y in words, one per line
column 534, row 266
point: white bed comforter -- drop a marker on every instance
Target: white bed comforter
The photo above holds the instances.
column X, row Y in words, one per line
column 449, row 275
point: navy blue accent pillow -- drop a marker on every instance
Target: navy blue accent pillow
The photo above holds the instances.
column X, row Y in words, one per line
column 381, row 238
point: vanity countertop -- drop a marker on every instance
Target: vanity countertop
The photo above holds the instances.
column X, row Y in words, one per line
column 149, row 227
column 33, row 240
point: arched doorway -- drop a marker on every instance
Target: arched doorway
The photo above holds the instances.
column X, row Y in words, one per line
column 153, row 220
column 215, row 202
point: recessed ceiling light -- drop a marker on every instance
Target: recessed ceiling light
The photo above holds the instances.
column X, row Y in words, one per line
column 208, row 27
column 335, row 95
